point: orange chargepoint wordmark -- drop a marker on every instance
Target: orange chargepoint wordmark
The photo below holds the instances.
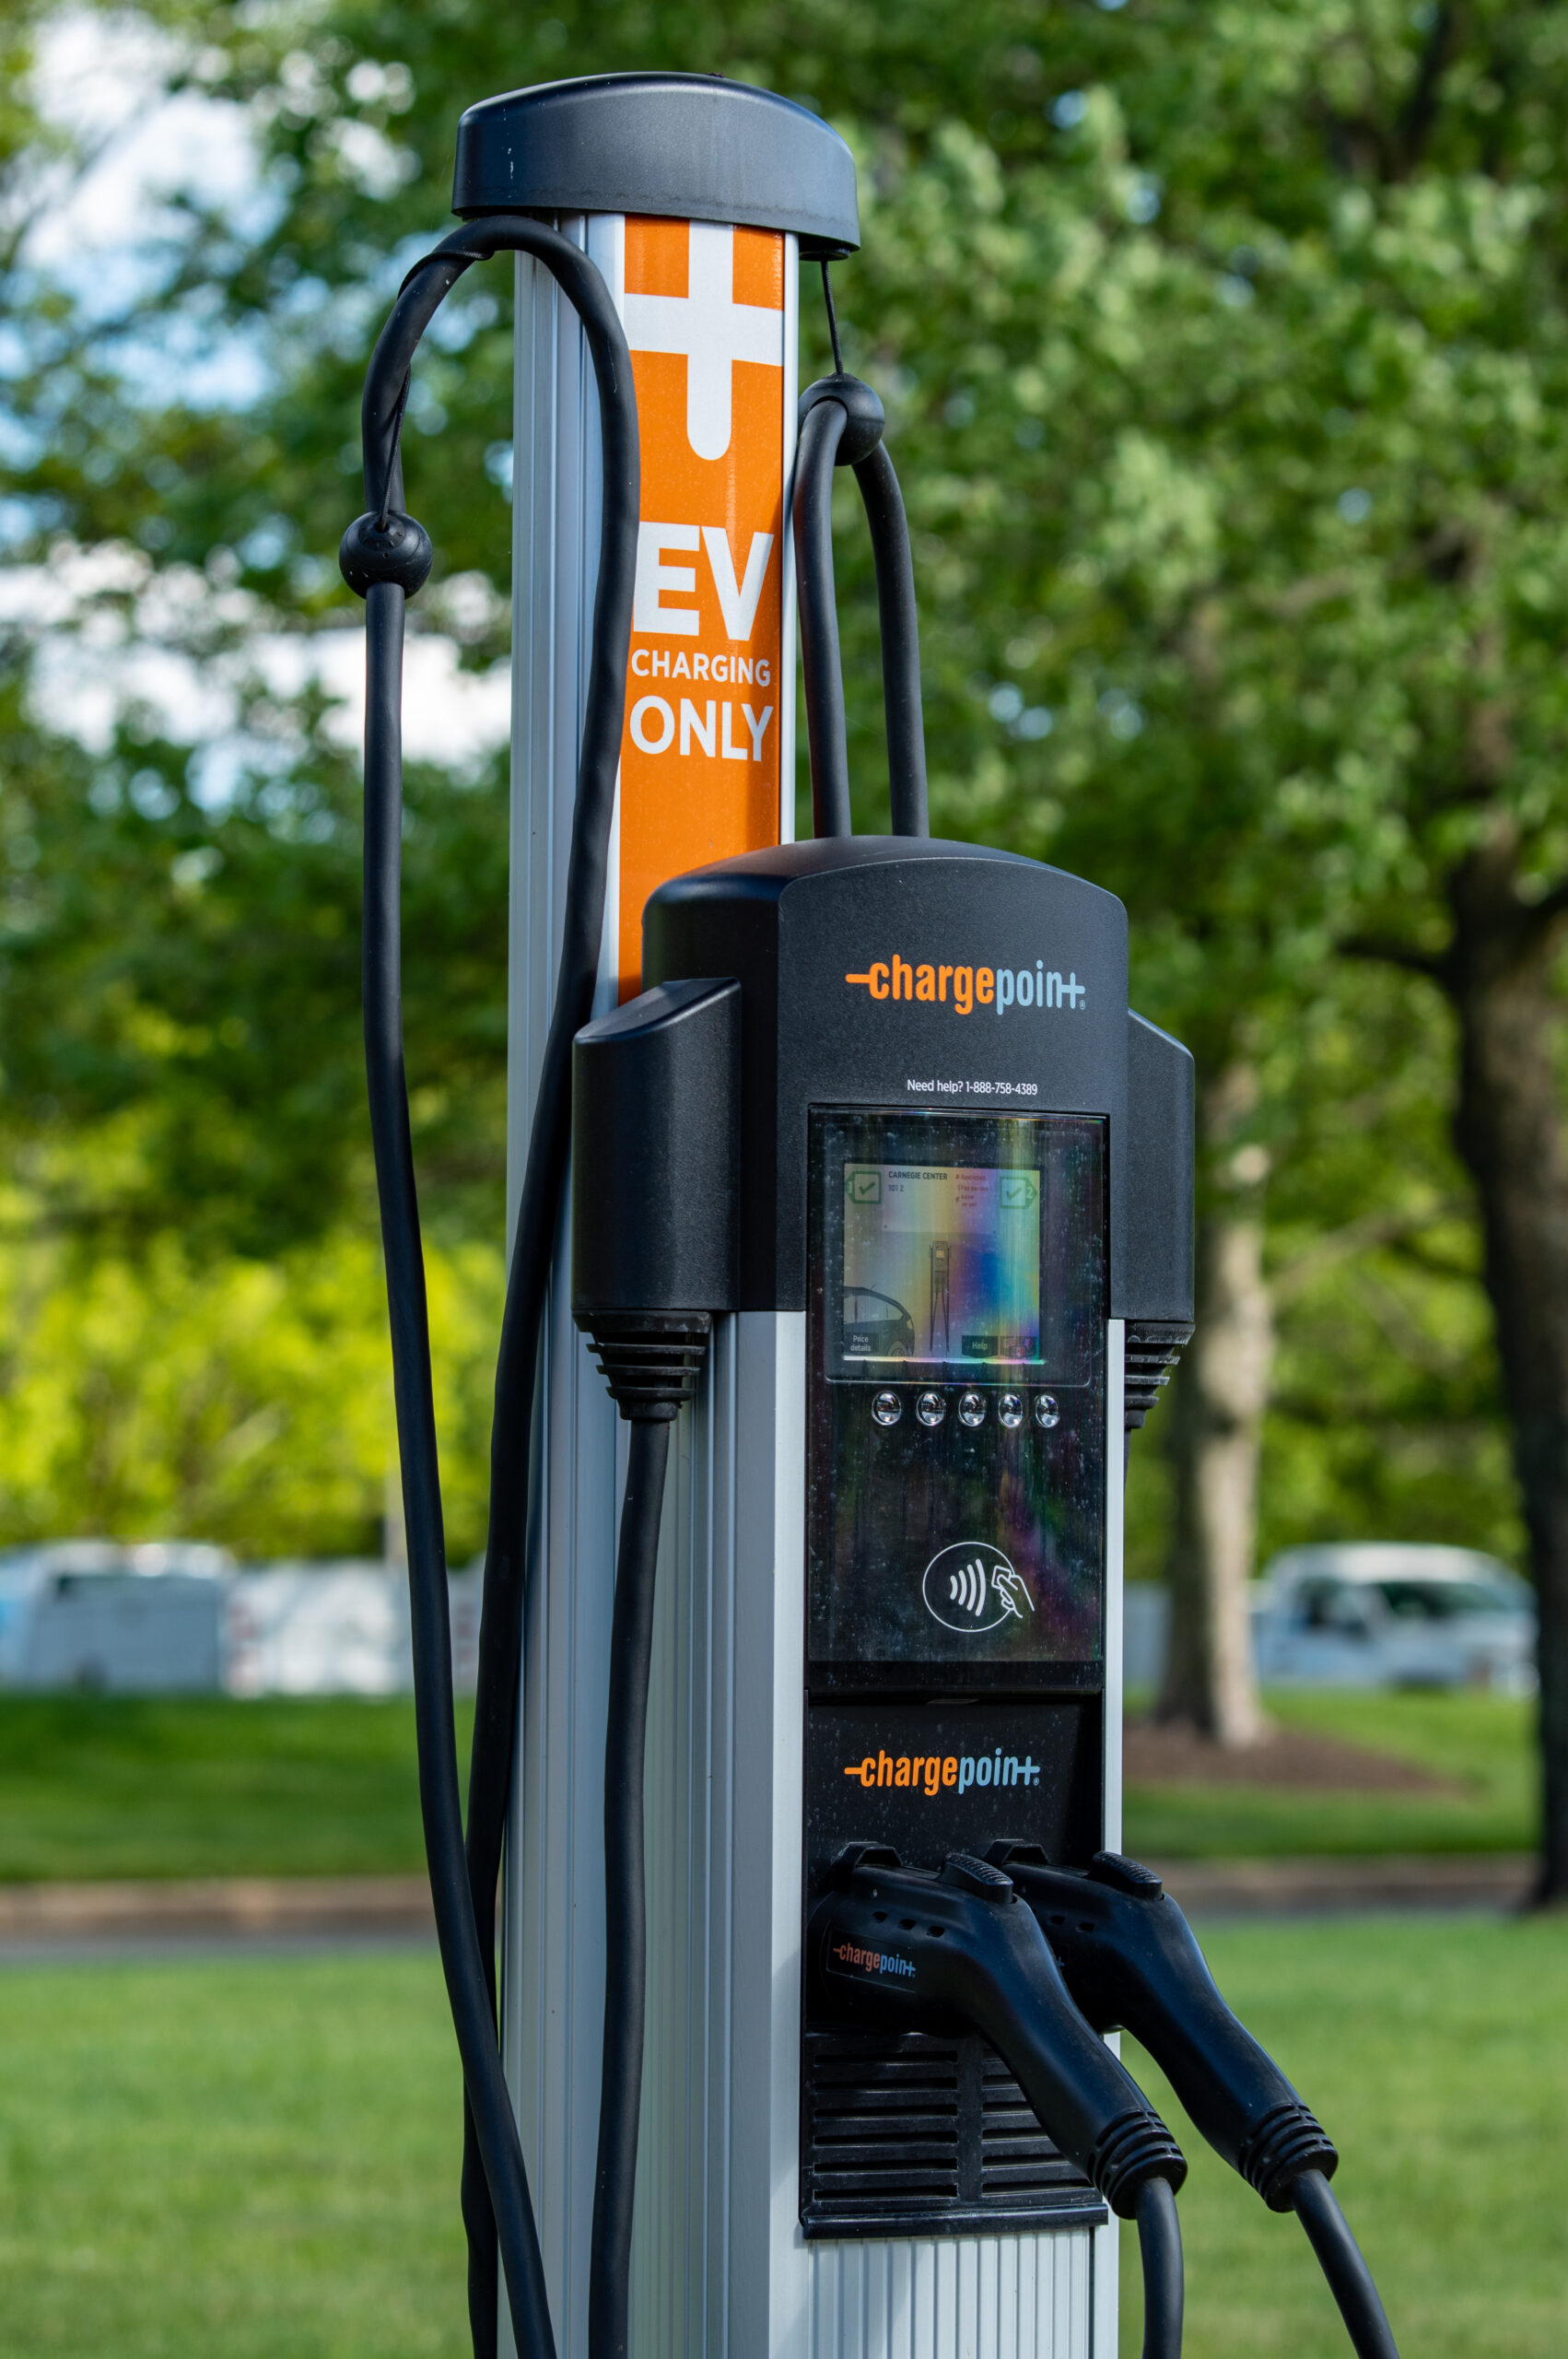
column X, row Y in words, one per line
column 897, row 979
column 700, row 770
column 933, row 1773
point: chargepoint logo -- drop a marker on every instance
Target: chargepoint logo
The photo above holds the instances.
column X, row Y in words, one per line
column 970, row 1587
column 847, row 1955
column 930, row 1773
column 965, row 989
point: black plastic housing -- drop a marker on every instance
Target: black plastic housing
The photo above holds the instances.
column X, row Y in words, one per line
column 1159, row 1174
column 691, row 146
column 890, row 1944
column 655, row 1126
column 1132, row 1963
column 798, row 925
column 1160, row 1147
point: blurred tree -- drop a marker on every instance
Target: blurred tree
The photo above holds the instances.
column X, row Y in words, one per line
column 249, row 1401
column 201, row 1069
column 1387, row 1390
column 1223, row 355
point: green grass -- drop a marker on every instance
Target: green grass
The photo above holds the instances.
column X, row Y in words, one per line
column 1485, row 1743
column 258, row 2159
column 113, row 1786
column 109, row 1785
column 1435, row 2052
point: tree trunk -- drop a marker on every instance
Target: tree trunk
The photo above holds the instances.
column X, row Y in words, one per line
column 1509, row 1131
column 1214, row 1437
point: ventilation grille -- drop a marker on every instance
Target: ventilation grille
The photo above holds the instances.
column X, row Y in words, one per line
column 916, row 2136
column 1018, row 2162
column 1152, row 1348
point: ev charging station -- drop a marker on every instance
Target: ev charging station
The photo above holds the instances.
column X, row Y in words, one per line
column 799, row 1697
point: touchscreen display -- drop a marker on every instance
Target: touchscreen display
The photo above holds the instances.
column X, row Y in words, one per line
column 942, row 1262
column 972, row 1246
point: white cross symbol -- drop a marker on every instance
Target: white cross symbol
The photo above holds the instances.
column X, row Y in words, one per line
column 711, row 329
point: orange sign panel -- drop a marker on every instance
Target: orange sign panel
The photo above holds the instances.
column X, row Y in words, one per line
column 699, row 756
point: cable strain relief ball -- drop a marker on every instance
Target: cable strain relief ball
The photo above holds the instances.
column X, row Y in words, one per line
column 651, row 1359
column 863, row 410
column 1286, row 2142
column 397, row 551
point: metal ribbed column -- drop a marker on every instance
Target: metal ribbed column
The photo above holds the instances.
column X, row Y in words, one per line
column 553, row 1907
column 553, row 1912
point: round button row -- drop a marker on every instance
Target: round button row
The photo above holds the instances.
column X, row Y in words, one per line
column 931, row 1408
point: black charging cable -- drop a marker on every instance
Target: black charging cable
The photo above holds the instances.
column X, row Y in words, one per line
column 1132, row 1962
column 652, row 1362
column 841, row 424
column 1159, row 2254
column 386, row 557
column 1339, row 2257
column 626, row 1898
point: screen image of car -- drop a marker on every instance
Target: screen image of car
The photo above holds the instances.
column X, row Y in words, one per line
column 875, row 1326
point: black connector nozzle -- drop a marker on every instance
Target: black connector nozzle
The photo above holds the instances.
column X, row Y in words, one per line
column 1132, row 1963
column 891, row 1943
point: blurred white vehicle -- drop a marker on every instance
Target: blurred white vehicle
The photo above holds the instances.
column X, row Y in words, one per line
column 179, row 1618
column 1395, row 1613
column 337, row 1626
column 334, row 1628
column 22, row 1574
column 465, row 1594
column 94, row 1615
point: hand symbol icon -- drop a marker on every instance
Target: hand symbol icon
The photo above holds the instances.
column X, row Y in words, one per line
column 1012, row 1591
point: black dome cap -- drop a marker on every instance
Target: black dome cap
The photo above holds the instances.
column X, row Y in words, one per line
column 692, row 146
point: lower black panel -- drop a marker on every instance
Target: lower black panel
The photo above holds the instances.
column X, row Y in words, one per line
column 913, row 2136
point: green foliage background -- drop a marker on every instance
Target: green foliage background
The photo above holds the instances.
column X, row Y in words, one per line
column 1225, row 354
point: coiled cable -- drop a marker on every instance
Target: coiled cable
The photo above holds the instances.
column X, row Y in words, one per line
column 385, row 557
column 841, row 424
